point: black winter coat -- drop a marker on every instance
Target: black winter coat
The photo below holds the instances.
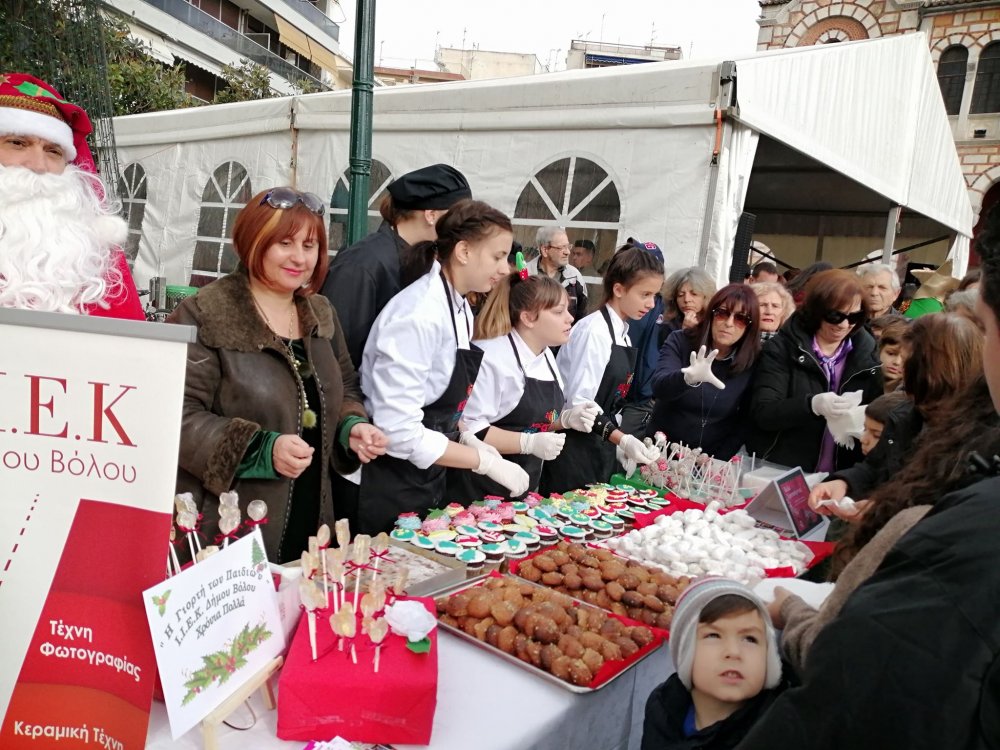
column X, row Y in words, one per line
column 361, row 280
column 785, row 430
column 667, row 707
column 913, row 660
column 879, row 466
column 704, row 416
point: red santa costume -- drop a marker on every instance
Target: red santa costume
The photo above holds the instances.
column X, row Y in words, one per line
column 59, row 238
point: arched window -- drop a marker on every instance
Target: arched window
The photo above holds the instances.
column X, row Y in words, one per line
column 227, row 191
column 341, row 198
column 986, row 94
column 132, row 190
column 951, row 77
column 574, row 193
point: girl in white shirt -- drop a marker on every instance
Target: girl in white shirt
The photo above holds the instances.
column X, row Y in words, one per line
column 517, row 404
column 597, row 365
column 419, row 367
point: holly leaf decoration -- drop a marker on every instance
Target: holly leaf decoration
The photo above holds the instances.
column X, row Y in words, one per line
column 419, row 647
column 221, row 665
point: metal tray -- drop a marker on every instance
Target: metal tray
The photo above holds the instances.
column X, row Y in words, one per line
column 547, row 676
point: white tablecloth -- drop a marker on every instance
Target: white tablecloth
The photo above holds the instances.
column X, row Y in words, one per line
column 487, row 704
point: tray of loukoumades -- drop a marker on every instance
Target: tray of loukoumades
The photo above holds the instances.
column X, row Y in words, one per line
column 576, row 646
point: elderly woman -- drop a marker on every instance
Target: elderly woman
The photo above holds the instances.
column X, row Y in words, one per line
column 271, row 400
column 686, row 294
column 776, row 306
column 702, row 381
column 822, row 352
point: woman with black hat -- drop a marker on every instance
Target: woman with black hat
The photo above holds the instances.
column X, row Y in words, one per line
column 366, row 275
column 419, row 368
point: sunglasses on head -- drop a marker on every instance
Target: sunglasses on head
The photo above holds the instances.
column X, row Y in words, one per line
column 285, row 198
column 741, row 319
column 836, row 317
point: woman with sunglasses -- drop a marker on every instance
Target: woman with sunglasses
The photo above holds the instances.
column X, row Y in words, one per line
column 702, row 379
column 419, row 368
column 271, row 400
column 822, row 352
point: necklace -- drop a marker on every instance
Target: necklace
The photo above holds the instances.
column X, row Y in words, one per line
column 309, row 418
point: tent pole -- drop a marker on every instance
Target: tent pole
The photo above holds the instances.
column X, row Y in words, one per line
column 361, row 120
column 890, row 233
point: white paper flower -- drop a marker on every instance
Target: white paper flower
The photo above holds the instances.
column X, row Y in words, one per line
column 410, row 619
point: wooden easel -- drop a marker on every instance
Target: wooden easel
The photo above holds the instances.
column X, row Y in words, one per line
column 260, row 681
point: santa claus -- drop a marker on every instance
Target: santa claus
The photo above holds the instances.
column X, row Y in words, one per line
column 59, row 237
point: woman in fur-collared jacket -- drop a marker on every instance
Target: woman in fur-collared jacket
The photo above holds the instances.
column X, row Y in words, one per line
column 271, row 401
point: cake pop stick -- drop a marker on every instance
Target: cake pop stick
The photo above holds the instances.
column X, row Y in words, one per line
column 173, row 552
column 322, row 543
column 377, row 631
column 379, row 545
column 312, row 599
column 186, row 521
column 334, row 558
column 359, row 557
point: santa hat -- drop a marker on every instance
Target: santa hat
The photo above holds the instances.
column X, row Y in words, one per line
column 29, row 106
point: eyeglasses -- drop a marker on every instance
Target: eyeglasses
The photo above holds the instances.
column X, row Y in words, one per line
column 741, row 319
column 836, row 317
column 285, row 198
column 567, row 246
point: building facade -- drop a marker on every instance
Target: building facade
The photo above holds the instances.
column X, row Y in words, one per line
column 964, row 39
column 584, row 54
column 295, row 40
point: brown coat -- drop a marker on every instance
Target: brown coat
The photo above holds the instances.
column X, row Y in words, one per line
column 803, row 623
column 239, row 380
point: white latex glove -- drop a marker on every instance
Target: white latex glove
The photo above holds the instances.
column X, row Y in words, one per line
column 829, row 405
column 507, row 473
column 631, row 451
column 470, row 439
column 580, row 417
column 544, row 445
column 700, row 369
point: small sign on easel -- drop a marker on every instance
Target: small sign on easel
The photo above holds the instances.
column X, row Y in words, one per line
column 784, row 506
column 215, row 626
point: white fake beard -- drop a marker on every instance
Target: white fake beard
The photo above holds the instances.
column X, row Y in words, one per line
column 56, row 241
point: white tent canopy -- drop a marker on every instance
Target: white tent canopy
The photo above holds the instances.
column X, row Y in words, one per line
column 610, row 153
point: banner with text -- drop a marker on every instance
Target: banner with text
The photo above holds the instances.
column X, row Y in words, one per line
column 90, row 414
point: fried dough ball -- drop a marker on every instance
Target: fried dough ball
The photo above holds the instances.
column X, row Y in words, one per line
column 579, row 673
column 611, row 651
column 561, row 666
column 481, row 627
column 458, row 604
column 559, row 556
column 592, row 659
column 646, row 588
column 572, row 581
column 633, row 599
column 529, row 572
column 615, row 591
column 550, row 653
column 612, row 569
column 642, row 636
column 544, row 563
column 653, row 603
column 629, row 580
column 627, row 645
column 554, row 578
column 502, row 612
column 571, row 646
column 479, row 605
column 493, row 634
column 505, row 641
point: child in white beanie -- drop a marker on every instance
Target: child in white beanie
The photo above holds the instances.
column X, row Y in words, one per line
column 728, row 669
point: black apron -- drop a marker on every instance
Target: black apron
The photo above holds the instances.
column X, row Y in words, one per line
column 389, row 485
column 537, row 411
column 587, row 458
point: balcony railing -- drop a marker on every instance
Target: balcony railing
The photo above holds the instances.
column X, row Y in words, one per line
column 314, row 14
column 230, row 37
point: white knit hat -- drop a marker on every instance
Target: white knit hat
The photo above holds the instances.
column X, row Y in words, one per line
column 684, row 625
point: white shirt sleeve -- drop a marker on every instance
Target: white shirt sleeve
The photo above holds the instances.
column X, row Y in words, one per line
column 402, row 353
column 583, row 359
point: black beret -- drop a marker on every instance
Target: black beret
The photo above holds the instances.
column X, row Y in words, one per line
column 436, row 186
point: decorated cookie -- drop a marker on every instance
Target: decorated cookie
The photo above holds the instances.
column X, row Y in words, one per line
column 402, row 535
column 446, row 547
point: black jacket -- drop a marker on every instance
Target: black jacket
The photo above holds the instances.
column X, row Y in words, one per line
column 913, row 660
column 704, row 416
column 886, row 458
column 785, row 430
column 668, row 706
column 362, row 279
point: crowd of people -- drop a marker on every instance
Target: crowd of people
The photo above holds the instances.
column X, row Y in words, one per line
column 434, row 358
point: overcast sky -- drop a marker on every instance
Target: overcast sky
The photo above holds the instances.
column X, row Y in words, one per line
column 406, row 31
